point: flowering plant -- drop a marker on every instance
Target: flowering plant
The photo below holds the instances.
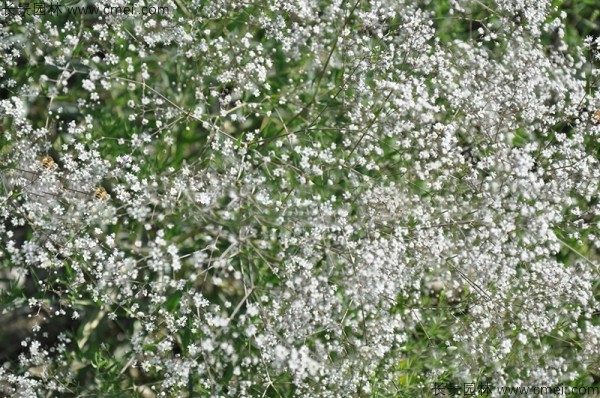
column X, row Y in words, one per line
column 301, row 198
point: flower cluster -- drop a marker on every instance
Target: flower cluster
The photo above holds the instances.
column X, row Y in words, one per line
column 298, row 198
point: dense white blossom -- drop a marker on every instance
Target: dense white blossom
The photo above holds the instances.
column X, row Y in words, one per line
column 265, row 195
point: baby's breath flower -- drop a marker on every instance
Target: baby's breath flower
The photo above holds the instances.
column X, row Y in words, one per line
column 301, row 197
